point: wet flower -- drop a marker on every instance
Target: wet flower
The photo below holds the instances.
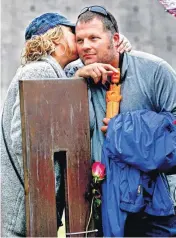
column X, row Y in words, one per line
column 98, row 171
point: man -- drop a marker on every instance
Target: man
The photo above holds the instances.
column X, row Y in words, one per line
column 147, row 82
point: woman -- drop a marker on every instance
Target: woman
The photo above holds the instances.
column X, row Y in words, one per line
column 50, row 46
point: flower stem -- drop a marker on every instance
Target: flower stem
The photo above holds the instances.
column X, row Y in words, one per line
column 91, row 208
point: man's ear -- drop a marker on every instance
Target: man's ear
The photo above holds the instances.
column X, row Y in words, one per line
column 116, row 39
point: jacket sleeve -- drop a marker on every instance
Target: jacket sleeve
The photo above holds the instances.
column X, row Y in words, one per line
column 44, row 71
column 165, row 92
column 71, row 68
column 143, row 139
column 165, row 88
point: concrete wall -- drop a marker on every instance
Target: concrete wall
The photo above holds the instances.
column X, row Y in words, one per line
column 144, row 22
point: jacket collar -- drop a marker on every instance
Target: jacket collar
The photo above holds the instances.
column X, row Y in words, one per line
column 55, row 65
column 125, row 65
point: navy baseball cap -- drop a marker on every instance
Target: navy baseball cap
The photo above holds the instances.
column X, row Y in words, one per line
column 43, row 23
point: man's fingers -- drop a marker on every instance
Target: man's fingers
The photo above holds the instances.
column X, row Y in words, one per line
column 94, row 76
column 110, row 68
column 103, row 74
column 105, row 71
column 104, row 129
column 106, row 120
column 97, row 71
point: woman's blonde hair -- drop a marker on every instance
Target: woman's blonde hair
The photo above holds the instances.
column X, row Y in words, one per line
column 42, row 45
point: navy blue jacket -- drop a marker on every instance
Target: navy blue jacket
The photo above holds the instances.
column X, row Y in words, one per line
column 138, row 148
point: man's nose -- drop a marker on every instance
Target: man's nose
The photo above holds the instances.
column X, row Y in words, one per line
column 86, row 44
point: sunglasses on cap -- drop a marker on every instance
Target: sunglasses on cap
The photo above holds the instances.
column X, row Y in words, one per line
column 100, row 10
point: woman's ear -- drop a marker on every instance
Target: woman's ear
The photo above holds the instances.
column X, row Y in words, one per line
column 116, row 39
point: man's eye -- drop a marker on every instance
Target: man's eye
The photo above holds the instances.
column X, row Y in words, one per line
column 79, row 41
column 94, row 38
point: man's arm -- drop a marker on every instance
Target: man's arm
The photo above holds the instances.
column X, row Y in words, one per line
column 164, row 97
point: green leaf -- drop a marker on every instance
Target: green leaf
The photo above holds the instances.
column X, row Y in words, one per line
column 98, row 202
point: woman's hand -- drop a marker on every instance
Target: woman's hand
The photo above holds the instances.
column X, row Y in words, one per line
column 124, row 44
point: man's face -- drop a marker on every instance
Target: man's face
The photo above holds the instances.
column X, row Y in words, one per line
column 94, row 44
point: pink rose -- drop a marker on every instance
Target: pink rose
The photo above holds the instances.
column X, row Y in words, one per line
column 98, row 171
column 174, row 122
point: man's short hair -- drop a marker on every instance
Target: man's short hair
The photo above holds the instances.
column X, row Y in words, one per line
column 108, row 25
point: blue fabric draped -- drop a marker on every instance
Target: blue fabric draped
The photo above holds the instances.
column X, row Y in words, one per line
column 139, row 147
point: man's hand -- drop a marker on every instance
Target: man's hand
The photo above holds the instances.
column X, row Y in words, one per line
column 97, row 71
column 105, row 127
column 124, row 44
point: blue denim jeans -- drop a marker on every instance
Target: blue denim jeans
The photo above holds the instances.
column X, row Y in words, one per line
column 143, row 225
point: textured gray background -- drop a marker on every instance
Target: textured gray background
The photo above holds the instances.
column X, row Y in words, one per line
column 144, row 22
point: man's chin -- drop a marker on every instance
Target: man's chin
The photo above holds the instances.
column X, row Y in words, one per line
column 89, row 61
